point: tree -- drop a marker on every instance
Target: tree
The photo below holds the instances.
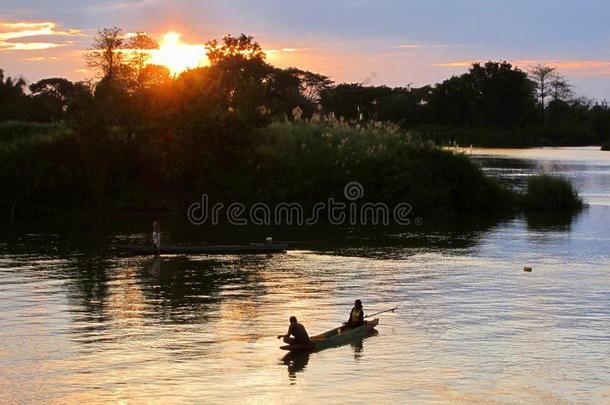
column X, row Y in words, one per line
column 50, row 99
column 452, row 101
column 494, row 94
column 140, row 46
column 541, row 75
column 107, row 53
column 155, row 76
column 559, row 88
column 311, row 84
column 13, row 101
column 243, row 47
column 503, row 94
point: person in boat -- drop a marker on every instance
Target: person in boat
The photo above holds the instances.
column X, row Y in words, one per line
column 297, row 331
column 356, row 316
column 156, row 235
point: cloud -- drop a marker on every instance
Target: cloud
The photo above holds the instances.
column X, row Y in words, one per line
column 38, row 58
column 122, row 5
column 29, row 36
column 454, row 64
column 410, row 46
column 421, row 46
column 585, row 67
column 288, row 50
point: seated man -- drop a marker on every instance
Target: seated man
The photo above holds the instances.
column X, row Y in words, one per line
column 356, row 316
column 297, row 330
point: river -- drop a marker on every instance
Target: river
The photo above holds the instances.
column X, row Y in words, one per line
column 79, row 323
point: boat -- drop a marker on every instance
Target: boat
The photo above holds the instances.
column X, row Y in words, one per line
column 253, row 248
column 333, row 337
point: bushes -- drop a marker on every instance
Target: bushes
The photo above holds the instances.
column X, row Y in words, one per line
column 310, row 162
column 551, row 193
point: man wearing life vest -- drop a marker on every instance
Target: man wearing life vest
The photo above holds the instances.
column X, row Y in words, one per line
column 356, row 316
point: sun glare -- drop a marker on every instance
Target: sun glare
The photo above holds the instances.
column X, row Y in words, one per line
column 176, row 55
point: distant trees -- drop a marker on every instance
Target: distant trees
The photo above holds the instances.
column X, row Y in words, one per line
column 311, row 84
column 503, row 94
column 549, row 83
column 219, row 106
column 494, row 94
column 492, row 104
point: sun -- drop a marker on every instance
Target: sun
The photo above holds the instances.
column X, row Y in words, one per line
column 176, row 55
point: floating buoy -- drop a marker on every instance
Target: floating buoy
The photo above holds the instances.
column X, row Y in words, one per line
column 528, row 269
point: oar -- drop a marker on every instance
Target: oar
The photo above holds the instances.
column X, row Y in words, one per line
column 382, row 312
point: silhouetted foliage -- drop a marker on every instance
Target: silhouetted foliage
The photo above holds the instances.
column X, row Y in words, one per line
column 107, row 53
column 13, row 101
column 551, row 193
column 231, row 49
column 55, row 99
column 244, row 129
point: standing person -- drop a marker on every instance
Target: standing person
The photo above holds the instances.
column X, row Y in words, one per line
column 298, row 332
column 356, row 316
column 156, row 235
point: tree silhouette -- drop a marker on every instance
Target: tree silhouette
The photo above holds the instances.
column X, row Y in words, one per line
column 51, row 98
column 242, row 47
column 107, row 53
column 140, row 46
column 559, row 88
column 12, row 98
column 542, row 75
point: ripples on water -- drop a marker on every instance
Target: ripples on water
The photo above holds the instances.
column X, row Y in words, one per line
column 81, row 324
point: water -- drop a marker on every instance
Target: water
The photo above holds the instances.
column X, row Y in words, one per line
column 80, row 323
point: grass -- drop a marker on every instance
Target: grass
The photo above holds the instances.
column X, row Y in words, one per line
column 551, row 193
column 14, row 134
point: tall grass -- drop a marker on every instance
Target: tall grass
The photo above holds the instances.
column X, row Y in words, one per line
column 551, row 193
column 311, row 161
column 17, row 133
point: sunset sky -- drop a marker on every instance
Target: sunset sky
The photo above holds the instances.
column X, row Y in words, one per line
column 389, row 42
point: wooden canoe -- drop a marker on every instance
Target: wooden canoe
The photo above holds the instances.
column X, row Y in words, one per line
column 254, row 248
column 332, row 337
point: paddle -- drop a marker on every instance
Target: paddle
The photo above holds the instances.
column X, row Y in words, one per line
column 382, row 312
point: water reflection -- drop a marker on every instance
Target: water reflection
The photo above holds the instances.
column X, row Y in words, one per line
column 550, row 221
column 295, row 362
column 81, row 322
